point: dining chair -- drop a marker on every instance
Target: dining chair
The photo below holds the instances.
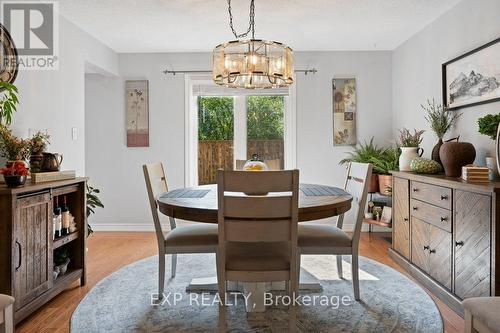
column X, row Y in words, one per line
column 327, row 239
column 272, row 165
column 196, row 238
column 6, row 314
column 257, row 232
column 482, row 315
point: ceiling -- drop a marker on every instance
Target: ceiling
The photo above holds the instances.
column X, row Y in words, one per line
column 199, row 25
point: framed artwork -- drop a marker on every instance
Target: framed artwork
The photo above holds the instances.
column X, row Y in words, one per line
column 472, row 78
column 137, row 109
column 344, row 111
column 386, row 214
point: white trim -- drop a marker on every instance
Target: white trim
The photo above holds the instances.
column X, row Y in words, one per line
column 290, row 137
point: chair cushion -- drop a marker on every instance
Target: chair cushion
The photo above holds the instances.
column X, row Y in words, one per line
column 486, row 310
column 320, row 235
column 202, row 234
column 5, row 301
column 257, row 256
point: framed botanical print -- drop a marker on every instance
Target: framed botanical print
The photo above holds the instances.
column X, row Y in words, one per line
column 472, row 78
column 344, row 111
column 137, row 109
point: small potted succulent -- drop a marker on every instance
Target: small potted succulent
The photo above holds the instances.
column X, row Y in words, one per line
column 410, row 147
column 15, row 175
column 488, row 125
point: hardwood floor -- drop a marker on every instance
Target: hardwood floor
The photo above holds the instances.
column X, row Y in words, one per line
column 109, row 251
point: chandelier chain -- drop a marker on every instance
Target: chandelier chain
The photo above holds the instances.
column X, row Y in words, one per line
column 251, row 24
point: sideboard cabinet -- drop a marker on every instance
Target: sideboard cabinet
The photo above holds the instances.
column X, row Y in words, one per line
column 445, row 233
column 28, row 247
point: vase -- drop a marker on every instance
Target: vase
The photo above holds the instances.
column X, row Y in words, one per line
column 435, row 151
column 14, row 180
column 385, row 184
column 455, row 155
column 491, row 164
column 408, row 154
column 497, row 147
column 36, row 163
column 373, row 185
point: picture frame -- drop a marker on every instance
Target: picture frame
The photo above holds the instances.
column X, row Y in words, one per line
column 386, row 214
column 344, row 109
column 137, row 113
column 472, row 78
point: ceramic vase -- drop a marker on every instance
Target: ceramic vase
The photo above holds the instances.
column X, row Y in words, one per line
column 491, row 163
column 435, row 151
column 373, row 185
column 408, row 154
column 385, row 184
column 455, row 155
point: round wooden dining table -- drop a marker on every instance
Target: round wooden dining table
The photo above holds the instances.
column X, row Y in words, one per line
column 199, row 204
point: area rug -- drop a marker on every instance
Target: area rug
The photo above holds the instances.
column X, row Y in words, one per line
column 390, row 302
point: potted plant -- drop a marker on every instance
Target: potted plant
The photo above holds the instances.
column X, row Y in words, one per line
column 383, row 165
column 363, row 153
column 409, row 144
column 488, row 125
column 8, row 102
column 93, row 202
column 440, row 120
column 12, row 148
column 37, row 145
column 15, row 175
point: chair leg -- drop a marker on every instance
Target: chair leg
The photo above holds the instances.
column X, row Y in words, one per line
column 8, row 324
column 339, row 266
column 355, row 275
column 221, row 279
column 161, row 274
column 469, row 323
column 174, row 264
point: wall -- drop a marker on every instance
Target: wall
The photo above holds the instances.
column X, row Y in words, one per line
column 417, row 70
column 116, row 169
column 54, row 100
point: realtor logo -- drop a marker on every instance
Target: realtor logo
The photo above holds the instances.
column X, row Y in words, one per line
column 33, row 26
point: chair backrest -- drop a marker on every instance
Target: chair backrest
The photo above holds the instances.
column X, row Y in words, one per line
column 272, row 165
column 357, row 183
column 156, row 183
column 258, row 218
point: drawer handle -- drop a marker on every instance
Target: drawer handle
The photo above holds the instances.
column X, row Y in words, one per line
column 426, row 247
column 444, row 197
column 405, row 219
column 443, row 219
column 432, row 251
column 414, row 208
column 415, row 189
column 20, row 255
column 459, row 243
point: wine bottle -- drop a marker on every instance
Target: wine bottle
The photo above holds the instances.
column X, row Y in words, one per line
column 57, row 219
column 65, row 217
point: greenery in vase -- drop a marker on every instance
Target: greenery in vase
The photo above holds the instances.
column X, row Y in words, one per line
column 439, row 118
column 385, row 163
column 93, row 202
column 12, row 147
column 38, row 143
column 363, row 153
column 406, row 139
column 8, row 102
column 488, row 125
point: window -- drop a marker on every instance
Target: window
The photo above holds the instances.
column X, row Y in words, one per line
column 227, row 126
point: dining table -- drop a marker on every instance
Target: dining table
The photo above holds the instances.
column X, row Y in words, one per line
column 199, row 204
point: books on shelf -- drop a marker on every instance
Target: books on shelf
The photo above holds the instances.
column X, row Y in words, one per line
column 41, row 177
column 475, row 174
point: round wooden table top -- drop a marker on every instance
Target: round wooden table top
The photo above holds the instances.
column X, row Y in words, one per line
column 199, row 203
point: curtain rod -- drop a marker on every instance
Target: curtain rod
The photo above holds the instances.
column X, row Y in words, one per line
column 167, row 71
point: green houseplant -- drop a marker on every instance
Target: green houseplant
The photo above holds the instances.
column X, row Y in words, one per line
column 8, row 102
column 488, row 125
column 409, row 144
column 364, row 153
column 383, row 165
column 440, row 120
column 93, row 202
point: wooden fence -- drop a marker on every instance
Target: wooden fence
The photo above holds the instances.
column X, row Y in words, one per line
column 219, row 154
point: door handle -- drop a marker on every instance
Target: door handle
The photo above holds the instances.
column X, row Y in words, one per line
column 415, row 189
column 405, row 219
column 432, row 251
column 459, row 243
column 426, row 247
column 414, row 208
column 444, row 197
column 20, row 255
column 443, row 219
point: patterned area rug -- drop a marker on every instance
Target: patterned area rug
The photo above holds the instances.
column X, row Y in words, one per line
column 390, row 302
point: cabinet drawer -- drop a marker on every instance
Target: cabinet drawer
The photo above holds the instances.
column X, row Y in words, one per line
column 440, row 217
column 436, row 195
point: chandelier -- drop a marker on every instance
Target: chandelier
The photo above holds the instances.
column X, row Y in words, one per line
column 251, row 63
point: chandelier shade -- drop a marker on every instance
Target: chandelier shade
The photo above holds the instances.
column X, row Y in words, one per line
column 252, row 64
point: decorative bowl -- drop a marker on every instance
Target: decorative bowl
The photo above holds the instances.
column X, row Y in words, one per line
column 14, row 180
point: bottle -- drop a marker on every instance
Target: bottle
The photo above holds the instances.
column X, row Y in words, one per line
column 57, row 219
column 65, row 218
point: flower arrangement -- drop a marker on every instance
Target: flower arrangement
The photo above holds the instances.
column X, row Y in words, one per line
column 38, row 143
column 16, row 168
column 439, row 118
column 12, row 147
column 406, row 139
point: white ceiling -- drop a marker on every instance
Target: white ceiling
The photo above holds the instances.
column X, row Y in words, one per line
column 199, row 25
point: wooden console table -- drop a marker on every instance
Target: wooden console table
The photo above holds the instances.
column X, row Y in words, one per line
column 27, row 245
column 445, row 234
